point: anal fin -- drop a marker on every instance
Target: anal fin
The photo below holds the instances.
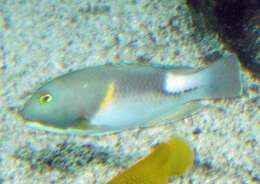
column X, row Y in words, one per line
column 184, row 111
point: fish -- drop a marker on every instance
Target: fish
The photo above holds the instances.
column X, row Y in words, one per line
column 111, row 98
column 172, row 158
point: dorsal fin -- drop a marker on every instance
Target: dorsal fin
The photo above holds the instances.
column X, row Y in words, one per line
column 174, row 68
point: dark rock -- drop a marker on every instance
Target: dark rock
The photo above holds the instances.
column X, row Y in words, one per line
column 237, row 23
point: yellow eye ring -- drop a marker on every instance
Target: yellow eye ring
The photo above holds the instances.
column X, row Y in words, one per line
column 44, row 99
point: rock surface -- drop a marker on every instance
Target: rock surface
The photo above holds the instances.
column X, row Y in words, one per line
column 237, row 22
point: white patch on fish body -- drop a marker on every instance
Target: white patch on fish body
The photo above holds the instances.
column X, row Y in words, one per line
column 176, row 83
column 85, row 85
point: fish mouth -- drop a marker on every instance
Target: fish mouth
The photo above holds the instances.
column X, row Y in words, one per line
column 23, row 113
column 28, row 117
column 35, row 123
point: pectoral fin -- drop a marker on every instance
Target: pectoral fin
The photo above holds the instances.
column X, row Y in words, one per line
column 82, row 126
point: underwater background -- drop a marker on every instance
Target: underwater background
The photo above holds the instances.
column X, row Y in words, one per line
column 40, row 40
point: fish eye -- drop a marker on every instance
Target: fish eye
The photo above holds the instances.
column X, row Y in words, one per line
column 46, row 98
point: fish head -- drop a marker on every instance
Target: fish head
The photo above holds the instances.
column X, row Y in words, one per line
column 51, row 106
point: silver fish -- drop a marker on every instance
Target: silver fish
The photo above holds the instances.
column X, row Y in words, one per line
column 109, row 98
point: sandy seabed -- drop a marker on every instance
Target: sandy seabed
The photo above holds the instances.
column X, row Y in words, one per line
column 40, row 40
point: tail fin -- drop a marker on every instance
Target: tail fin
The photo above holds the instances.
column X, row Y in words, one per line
column 221, row 79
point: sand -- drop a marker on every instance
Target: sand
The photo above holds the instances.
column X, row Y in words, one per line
column 40, row 40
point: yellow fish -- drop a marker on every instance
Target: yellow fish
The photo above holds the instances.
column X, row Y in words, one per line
column 169, row 159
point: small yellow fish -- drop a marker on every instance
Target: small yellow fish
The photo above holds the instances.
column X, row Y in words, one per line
column 169, row 159
column 109, row 98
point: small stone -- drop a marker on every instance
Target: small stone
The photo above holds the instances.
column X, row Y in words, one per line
column 212, row 57
column 197, row 131
column 254, row 88
column 208, row 165
column 256, row 178
column 143, row 59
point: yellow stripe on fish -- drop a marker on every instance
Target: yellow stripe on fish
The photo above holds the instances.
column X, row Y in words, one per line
column 109, row 97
